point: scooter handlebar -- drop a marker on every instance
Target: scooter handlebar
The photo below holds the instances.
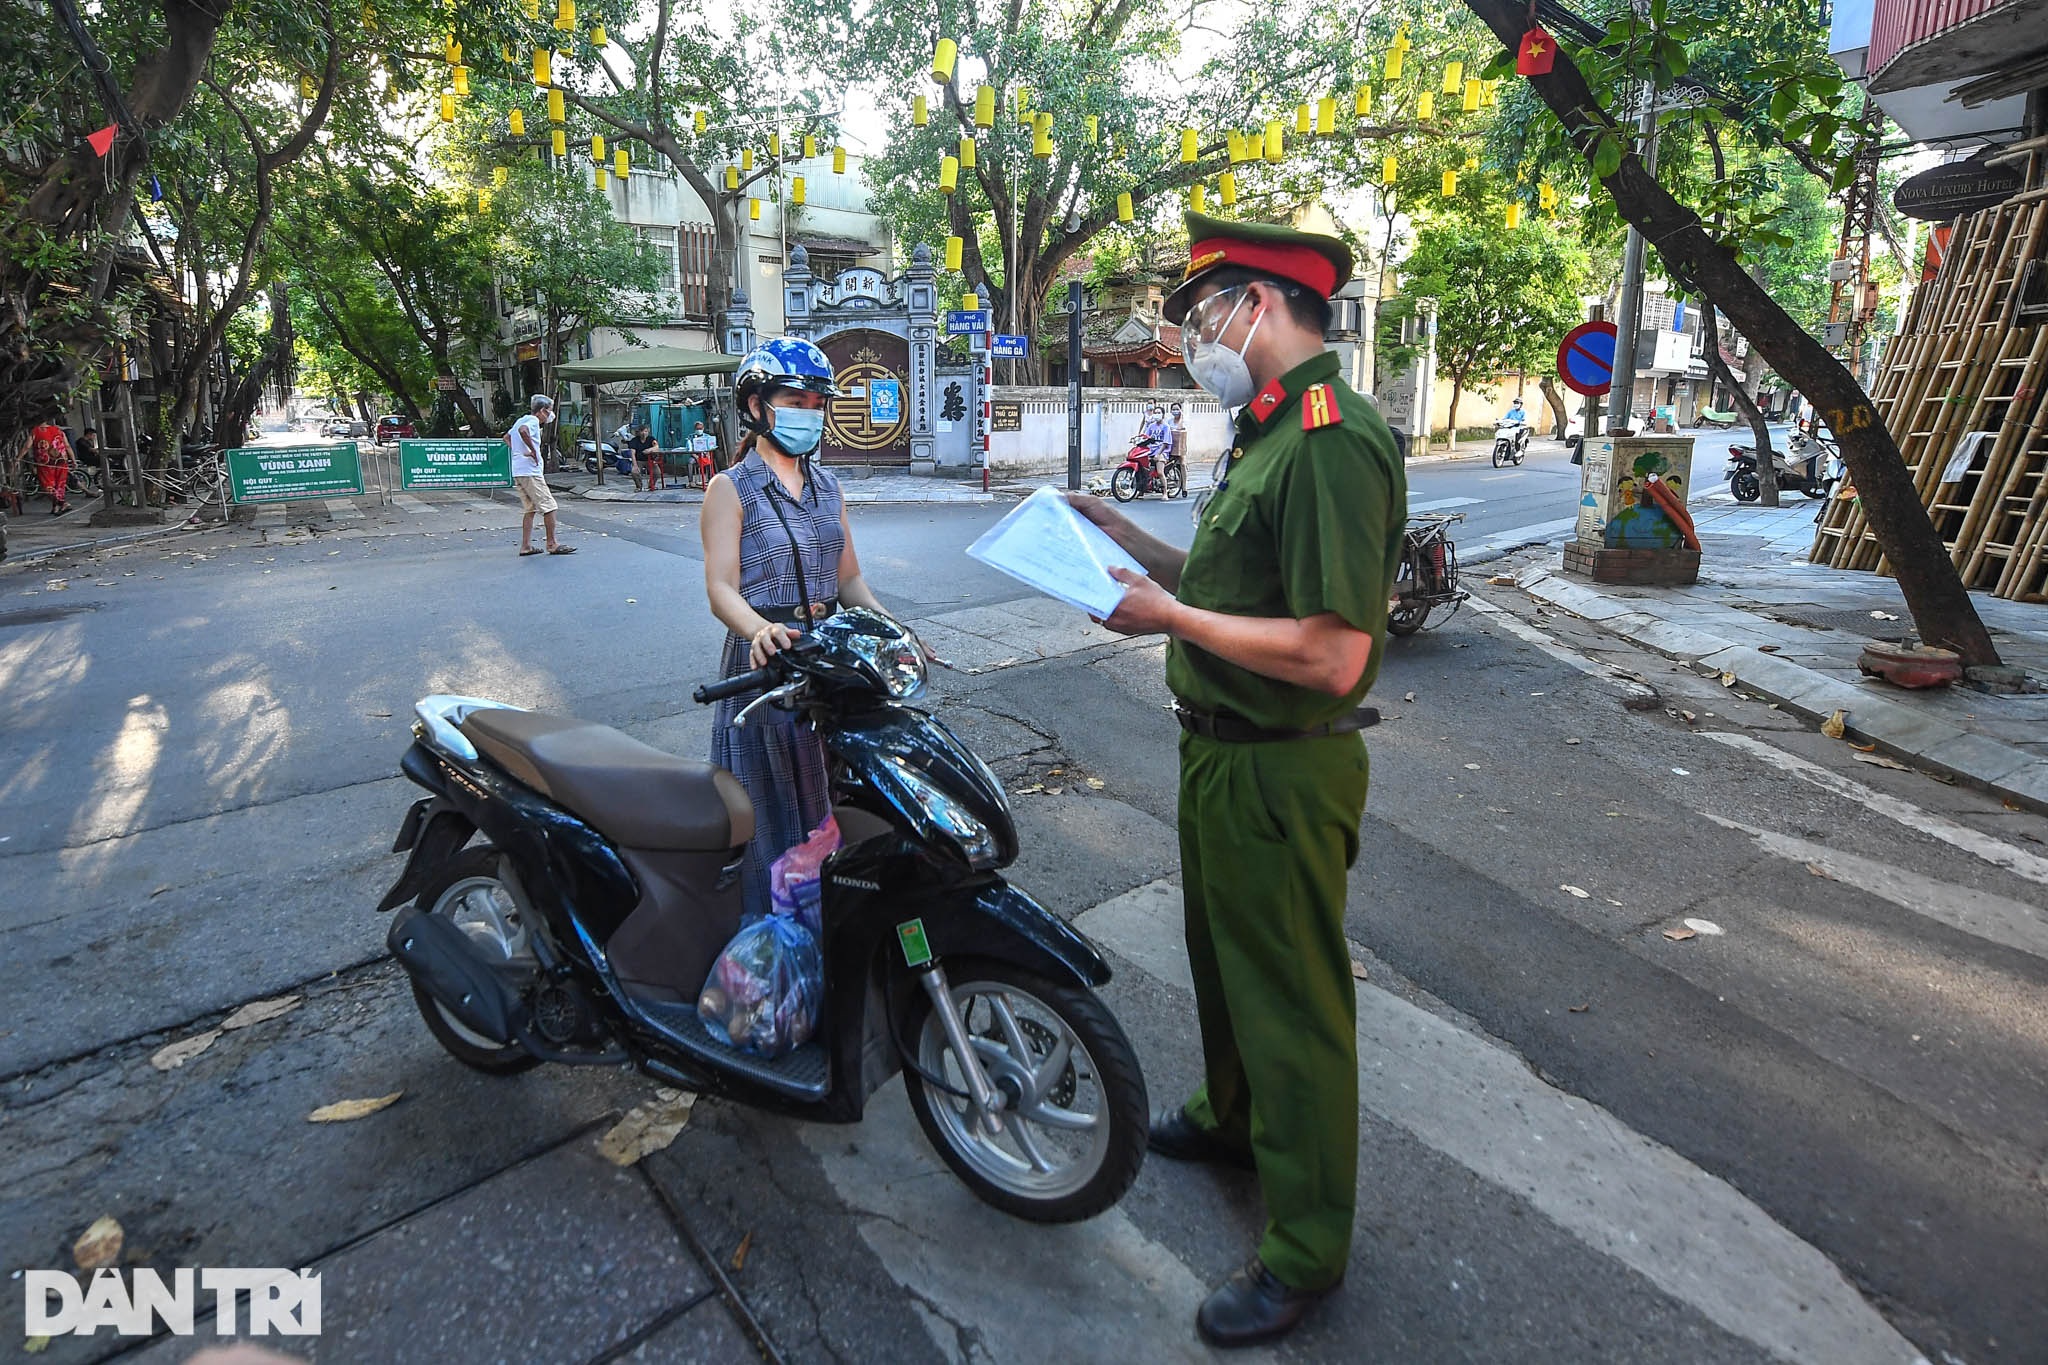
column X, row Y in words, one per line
column 738, row 685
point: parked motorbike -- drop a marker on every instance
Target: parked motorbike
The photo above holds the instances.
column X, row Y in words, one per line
column 616, row 460
column 1428, row 574
column 1149, row 467
column 1808, row 475
column 1510, row 442
column 571, row 889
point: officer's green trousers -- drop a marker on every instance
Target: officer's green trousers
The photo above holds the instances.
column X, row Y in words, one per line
column 1267, row 832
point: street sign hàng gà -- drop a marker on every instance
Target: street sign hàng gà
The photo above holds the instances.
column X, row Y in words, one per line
column 1585, row 359
column 1011, row 348
column 283, row 473
column 454, row 464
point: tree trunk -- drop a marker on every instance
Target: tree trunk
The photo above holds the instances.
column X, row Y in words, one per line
column 1457, row 390
column 1941, row 606
column 1556, row 402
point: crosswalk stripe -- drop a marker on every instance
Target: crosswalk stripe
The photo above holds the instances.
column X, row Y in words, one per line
column 407, row 502
column 1440, row 505
column 344, row 509
column 1688, row 1232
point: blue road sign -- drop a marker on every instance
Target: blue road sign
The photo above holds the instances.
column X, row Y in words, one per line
column 961, row 322
column 1012, row 348
column 1585, row 359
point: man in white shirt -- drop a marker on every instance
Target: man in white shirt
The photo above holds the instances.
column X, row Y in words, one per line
column 702, row 444
column 534, row 494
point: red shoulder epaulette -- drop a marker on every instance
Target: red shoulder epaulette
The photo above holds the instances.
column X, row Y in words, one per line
column 1319, row 408
column 1268, row 401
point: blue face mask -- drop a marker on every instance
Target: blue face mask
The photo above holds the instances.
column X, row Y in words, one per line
column 798, row 431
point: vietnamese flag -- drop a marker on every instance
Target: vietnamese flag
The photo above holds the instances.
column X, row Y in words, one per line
column 102, row 142
column 1537, row 52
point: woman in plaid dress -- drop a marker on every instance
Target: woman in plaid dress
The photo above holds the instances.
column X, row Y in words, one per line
column 778, row 553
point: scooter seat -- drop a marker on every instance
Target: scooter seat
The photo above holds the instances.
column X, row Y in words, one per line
column 630, row 792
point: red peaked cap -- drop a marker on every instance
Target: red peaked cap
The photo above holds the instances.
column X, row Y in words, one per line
column 1309, row 259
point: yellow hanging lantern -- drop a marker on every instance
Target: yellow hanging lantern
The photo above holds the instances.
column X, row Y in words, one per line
column 970, row 303
column 954, row 247
column 1514, row 216
column 746, row 158
column 1276, row 143
column 985, row 107
column 1425, row 105
column 1546, row 195
column 565, row 15
column 754, row 210
column 516, row 121
column 1190, row 146
column 969, row 154
column 447, row 106
column 1041, row 135
column 942, row 61
column 462, row 81
column 558, row 142
column 499, row 175
column 1304, row 120
column 1226, row 189
column 1361, row 103
column 920, row 111
column 543, row 66
column 1450, row 184
column 369, row 16
column 810, row 147
column 604, row 182
column 949, row 174
column 732, row 178
column 1454, row 75
column 1124, row 213
column 1198, row 198
column 454, row 51
column 701, row 121
column 1471, row 97
column 598, row 37
column 597, row 147
column 839, row 161
column 1326, row 116
column 1471, row 162
column 307, row 90
column 1235, row 140
column 533, row 9
column 1390, row 169
column 622, row 164
column 1094, row 129
column 483, row 201
column 775, row 146
column 1393, row 68
column 796, row 191
column 507, row 54
column 558, row 107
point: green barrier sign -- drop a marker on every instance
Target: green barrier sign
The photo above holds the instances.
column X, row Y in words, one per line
column 454, row 464
column 283, row 473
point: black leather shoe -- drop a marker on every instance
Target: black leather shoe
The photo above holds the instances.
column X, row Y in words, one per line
column 1177, row 1137
column 1252, row 1306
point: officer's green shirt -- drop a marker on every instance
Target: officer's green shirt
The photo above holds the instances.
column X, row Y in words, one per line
column 1310, row 521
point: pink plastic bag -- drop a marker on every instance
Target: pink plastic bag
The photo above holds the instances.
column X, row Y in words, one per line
column 795, row 879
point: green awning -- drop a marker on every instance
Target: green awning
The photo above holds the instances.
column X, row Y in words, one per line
column 647, row 362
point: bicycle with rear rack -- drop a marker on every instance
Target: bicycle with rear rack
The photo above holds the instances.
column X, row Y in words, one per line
column 1428, row 575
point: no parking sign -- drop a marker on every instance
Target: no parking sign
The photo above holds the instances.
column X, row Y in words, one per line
column 1585, row 358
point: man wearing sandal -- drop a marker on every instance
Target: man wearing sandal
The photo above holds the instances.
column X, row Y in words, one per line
column 534, row 494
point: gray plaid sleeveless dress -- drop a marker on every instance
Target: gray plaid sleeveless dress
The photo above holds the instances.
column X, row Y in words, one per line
column 778, row 758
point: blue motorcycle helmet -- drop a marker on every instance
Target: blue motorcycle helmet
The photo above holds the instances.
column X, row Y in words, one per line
column 785, row 362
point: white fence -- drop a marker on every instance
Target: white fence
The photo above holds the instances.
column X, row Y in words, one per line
column 1110, row 419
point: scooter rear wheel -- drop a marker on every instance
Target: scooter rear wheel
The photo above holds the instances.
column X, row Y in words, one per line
column 466, row 891
column 1124, row 484
column 1074, row 1115
column 1745, row 485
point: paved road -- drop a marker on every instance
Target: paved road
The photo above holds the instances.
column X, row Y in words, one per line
column 1817, row 1134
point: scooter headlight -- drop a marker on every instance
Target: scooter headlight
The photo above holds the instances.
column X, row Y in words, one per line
column 893, row 657
column 938, row 815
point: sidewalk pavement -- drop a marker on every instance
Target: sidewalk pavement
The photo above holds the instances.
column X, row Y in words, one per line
column 36, row 535
column 1768, row 622
column 894, row 486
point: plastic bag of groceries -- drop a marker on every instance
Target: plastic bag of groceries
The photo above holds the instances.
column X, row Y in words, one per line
column 765, row 989
column 795, row 880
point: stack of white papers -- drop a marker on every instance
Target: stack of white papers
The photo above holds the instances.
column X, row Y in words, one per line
column 1045, row 544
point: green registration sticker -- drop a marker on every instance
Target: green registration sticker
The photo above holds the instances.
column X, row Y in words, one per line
column 916, row 952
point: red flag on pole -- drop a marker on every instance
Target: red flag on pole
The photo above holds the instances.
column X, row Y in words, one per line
column 1536, row 54
column 103, row 141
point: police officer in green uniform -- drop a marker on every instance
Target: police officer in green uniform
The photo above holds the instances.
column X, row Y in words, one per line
column 1276, row 615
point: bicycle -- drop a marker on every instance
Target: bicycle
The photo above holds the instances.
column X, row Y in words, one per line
column 1428, row 573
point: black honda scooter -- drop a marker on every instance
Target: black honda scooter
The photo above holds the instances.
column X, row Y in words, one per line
column 571, row 889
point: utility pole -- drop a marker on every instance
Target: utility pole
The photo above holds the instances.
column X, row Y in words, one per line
column 1074, row 385
column 1621, row 398
column 1852, row 300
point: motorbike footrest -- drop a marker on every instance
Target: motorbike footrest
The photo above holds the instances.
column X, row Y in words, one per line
column 804, row 1074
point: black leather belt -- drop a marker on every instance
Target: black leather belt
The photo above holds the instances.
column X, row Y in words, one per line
column 1226, row 728
column 794, row 616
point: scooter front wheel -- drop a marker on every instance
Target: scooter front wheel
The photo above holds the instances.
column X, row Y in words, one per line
column 1499, row 453
column 1073, row 1118
column 1124, row 484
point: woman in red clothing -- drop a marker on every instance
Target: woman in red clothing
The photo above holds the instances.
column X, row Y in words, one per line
column 50, row 452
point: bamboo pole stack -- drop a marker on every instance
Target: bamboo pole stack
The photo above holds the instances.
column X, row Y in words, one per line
column 1967, row 362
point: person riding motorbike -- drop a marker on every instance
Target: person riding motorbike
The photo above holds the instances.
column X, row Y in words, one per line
column 1158, row 435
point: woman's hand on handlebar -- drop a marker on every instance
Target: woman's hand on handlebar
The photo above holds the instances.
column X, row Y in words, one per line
column 769, row 641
